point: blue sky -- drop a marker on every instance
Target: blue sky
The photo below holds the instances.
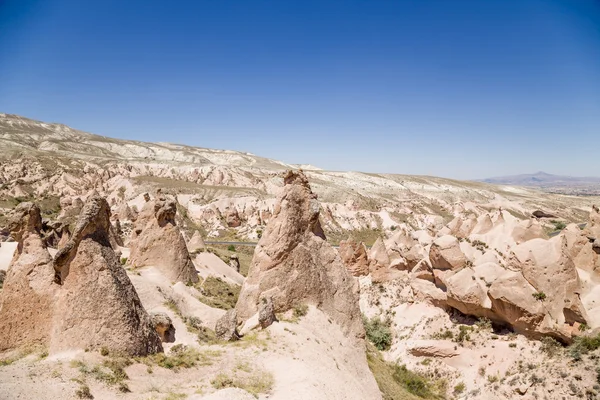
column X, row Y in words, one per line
column 463, row 89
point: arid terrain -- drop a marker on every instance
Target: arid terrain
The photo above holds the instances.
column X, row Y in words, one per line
column 135, row 270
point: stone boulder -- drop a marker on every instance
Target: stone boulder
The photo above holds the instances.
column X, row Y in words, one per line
column 164, row 326
column 445, row 253
column 354, row 256
column 157, row 241
column 266, row 312
column 232, row 218
column 226, row 326
column 29, row 292
column 542, row 214
column 293, row 263
column 97, row 306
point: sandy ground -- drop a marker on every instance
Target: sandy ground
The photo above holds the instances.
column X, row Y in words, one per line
column 306, row 359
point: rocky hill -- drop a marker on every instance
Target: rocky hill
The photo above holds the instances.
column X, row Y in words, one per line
column 156, row 271
column 230, row 194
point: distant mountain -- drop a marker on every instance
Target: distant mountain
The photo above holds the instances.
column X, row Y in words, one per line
column 551, row 183
column 541, row 179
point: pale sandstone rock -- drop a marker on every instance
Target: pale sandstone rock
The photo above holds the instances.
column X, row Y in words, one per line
column 158, row 242
column 293, row 264
column 422, row 271
column 29, row 292
column 98, row 306
column 433, row 348
column 445, row 253
column 196, row 243
column 354, row 256
column 527, row 230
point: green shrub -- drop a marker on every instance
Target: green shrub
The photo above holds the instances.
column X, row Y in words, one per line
column 231, row 247
column 413, row 382
column 541, row 296
column 583, row 345
column 459, row 388
column 300, row 310
column 378, row 333
column 559, row 225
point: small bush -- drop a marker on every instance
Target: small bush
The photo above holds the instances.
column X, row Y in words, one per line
column 84, row 392
column 541, row 296
column 559, row 225
column 123, row 260
column 378, row 333
column 459, row 388
column 414, row 383
column 463, row 334
column 231, row 247
column 550, row 346
column 300, row 310
column 583, row 345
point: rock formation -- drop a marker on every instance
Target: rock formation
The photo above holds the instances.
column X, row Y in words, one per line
column 226, row 327
column 445, row 253
column 196, row 243
column 158, row 242
column 164, row 326
column 354, row 256
column 293, row 264
column 28, row 295
column 98, row 306
column 538, row 293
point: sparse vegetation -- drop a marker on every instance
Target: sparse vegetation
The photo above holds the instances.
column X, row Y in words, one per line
column 459, row 388
column 378, row 332
column 582, row 345
column 181, row 356
column 255, row 381
column 541, row 296
column 300, row 310
column 558, row 225
column 231, row 247
column 218, row 293
column 84, row 392
column 393, row 379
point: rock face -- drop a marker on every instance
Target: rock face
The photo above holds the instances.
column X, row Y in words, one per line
column 266, row 313
column 98, row 306
column 537, row 293
column 445, row 253
column 196, row 243
column 226, row 327
column 354, row 256
column 542, row 214
column 163, row 326
column 28, row 296
column 293, row 264
column 158, row 242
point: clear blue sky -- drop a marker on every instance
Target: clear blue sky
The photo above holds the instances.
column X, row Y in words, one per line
column 464, row 89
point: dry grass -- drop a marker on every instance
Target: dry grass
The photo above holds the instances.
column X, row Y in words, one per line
column 217, row 293
column 252, row 380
